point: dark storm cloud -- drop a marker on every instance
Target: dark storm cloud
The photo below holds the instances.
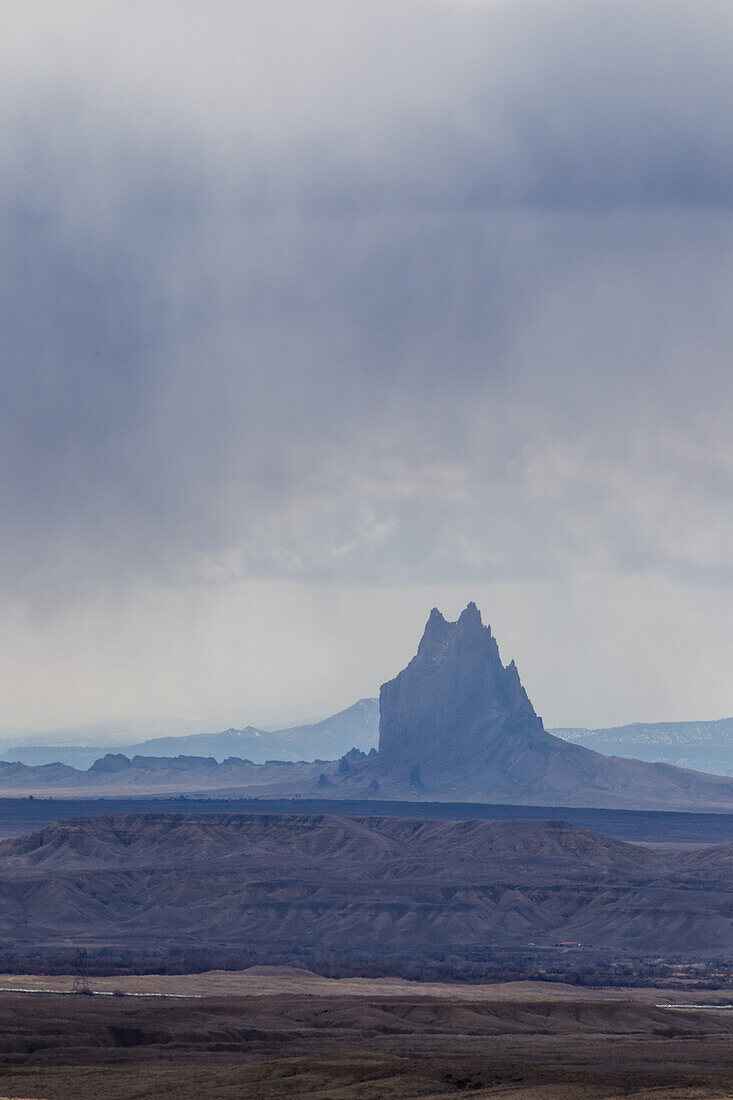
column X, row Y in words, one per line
column 380, row 292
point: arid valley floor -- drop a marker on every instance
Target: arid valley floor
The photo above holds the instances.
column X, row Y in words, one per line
column 332, row 947
column 280, row 1032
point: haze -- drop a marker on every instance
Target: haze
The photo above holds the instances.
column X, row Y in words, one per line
column 318, row 314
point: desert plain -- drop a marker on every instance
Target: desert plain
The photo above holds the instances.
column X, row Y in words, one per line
column 276, row 1032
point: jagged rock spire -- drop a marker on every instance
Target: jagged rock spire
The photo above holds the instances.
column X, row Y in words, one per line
column 454, row 699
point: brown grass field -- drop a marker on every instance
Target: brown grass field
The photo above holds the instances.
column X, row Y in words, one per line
column 262, row 981
column 278, row 1032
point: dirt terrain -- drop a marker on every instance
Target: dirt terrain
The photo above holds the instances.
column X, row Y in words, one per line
column 268, row 981
column 362, row 889
column 366, row 1045
column 365, row 885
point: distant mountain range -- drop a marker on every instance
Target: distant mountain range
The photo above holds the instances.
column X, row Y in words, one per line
column 455, row 725
column 329, row 739
column 703, row 746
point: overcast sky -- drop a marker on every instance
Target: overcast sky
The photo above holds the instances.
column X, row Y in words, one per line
column 318, row 313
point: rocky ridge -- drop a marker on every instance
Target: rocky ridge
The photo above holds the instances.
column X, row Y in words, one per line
column 362, row 887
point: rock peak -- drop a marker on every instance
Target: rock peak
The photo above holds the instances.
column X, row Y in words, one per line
column 470, row 612
column 434, row 636
column 454, row 700
column 470, row 618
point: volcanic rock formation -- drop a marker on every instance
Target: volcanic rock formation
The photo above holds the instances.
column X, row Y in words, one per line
column 454, row 698
column 459, row 722
column 456, row 725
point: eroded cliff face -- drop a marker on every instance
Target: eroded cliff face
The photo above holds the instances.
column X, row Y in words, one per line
column 455, row 701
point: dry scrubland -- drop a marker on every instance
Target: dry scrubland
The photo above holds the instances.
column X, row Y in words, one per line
column 291, row 1034
column 367, row 1077
column 365, row 885
column 271, row 981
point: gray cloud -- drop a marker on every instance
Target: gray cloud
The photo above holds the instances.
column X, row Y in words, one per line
column 376, row 294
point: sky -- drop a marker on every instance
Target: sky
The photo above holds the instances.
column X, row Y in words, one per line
column 316, row 314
